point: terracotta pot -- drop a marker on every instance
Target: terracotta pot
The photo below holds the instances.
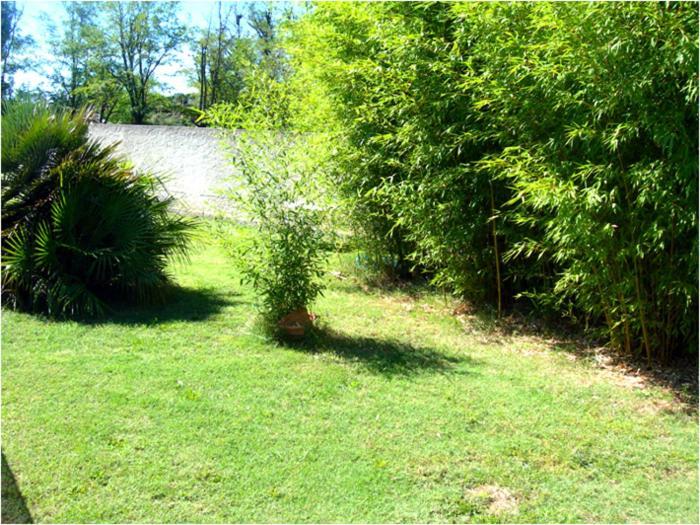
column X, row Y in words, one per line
column 295, row 323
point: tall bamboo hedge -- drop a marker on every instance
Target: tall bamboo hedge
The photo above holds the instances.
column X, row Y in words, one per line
column 546, row 151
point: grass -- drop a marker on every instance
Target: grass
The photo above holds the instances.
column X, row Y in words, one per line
column 397, row 412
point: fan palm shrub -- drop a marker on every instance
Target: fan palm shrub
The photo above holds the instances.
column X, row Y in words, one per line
column 80, row 228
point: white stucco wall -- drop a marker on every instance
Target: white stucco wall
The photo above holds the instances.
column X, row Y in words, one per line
column 192, row 160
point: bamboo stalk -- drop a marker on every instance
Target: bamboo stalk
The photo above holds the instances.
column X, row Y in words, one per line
column 642, row 318
column 623, row 305
column 495, row 249
column 667, row 331
column 609, row 320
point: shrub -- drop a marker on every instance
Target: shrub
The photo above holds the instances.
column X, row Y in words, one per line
column 277, row 190
column 80, row 229
column 284, row 259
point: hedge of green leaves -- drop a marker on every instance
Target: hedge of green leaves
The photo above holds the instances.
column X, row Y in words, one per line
column 540, row 150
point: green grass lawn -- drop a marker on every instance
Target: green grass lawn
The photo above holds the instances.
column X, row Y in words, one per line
column 398, row 412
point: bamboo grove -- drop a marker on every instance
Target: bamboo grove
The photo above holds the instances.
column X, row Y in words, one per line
column 520, row 153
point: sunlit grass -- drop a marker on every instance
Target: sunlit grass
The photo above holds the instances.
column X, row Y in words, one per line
column 395, row 412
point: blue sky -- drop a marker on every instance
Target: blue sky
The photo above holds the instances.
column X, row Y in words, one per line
column 172, row 76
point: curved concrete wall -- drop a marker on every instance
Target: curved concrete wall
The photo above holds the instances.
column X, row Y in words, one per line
column 192, row 160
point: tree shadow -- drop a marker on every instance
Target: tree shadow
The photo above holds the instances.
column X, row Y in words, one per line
column 388, row 357
column 180, row 304
column 14, row 508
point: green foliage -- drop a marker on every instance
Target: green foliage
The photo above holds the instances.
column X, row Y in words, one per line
column 284, row 259
column 277, row 189
column 80, row 228
column 74, row 48
column 14, row 43
column 222, row 56
column 401, row 158
column 544, row 150
column 173, row 110
column 604, row 164
column 107, row 58
column 136, row 39
column 106, row 97
column 263, row 105
column 80, row 74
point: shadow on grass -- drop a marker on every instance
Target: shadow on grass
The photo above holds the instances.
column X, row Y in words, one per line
column 180, row 304
column 680, row 377
column 381, row 356
column 350, row 279
column 14, row 508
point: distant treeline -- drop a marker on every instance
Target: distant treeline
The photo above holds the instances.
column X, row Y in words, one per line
column 106, row 55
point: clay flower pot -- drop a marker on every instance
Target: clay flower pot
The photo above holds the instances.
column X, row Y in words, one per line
column 295, row 323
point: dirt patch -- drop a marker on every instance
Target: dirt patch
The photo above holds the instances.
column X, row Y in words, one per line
column 680, row 381
column 496, row 500
column 464, row 309
column 662, row 406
